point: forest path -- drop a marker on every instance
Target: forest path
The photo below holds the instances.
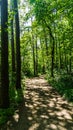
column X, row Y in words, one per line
column 44, row 109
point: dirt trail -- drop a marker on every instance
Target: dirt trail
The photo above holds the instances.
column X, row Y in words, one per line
column 44, row 109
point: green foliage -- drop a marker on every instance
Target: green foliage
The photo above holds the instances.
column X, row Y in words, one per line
column 64, row 85
column 5, row 114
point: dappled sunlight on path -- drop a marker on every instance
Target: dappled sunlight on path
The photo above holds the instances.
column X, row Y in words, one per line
column 44, row 109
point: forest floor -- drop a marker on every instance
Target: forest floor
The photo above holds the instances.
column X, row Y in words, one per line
column 43, row 109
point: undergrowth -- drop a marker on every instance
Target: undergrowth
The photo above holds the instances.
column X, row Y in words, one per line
column 63, row 83
column 16, row 97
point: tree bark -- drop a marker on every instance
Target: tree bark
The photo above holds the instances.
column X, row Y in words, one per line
column 12, row 38
column 12, row 47
column 34, row 64
column 4, row 55
column 36, row 57
column 18, row 57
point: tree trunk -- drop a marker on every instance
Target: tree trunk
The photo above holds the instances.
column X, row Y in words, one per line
column 12, row 38
column 46, row 46
column 52, row 40
column 60, row 58
column 18, row 57
column 46, row 42
column 70, row 66
column 34, row 60
column 43, row 59
column 52, row 58
column 36, row 57
column 4, row 55
column 12, row 47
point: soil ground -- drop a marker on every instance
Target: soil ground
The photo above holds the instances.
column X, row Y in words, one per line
column 43, row 109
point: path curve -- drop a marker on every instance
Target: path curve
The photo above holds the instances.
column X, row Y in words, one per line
column 44, row 109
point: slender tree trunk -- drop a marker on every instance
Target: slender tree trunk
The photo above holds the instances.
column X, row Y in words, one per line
column 70, row 66
column 33, row 54
column 33, row 50
column 65, row 59
column 56, row 38
column 34, row 64
column 60, row 59
column 43, row 59
column 52, row 58
column 46, row 45
column 36, row 57
column 12, row 38
column 4, row 55
column 18, row 57
column 12, row 47
column 46, row 42
column 52, row 40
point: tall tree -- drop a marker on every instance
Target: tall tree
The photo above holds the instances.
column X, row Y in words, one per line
column 4, row 55
column 18, row 57
column 12, row 37
column 36, row 57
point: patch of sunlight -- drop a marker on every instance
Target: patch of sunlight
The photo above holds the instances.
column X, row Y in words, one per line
column 70, row 121
column 61, row 128
column 51, row 104
column 53, row 126
column 59, row 101
column 49, row 111
column 58, row 107
column 34, row 126
column 30, row 106
column 54, row 99
column 47, row 94
column 60, row 118
column 38, row 103
column 30, row 118
column 71, row 112
column 51, row 114
column 9, row 123
column 44, row 116
column 35, row 86
column 68, row 116
column 59, row 113
column 35, row 104
column 45, row 88
column 43, row 105
column 16, row 117
column 34, row 112
column 64, row 112
column 35, row 98
column 62, row 123
column 27, row 96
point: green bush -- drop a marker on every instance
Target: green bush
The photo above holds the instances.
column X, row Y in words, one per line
column 64, row 84
column 5, row 113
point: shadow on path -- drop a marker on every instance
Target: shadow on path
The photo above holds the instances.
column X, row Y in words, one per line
column 44, row 109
